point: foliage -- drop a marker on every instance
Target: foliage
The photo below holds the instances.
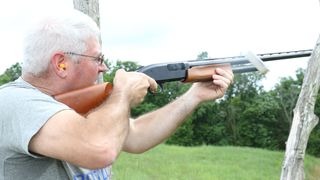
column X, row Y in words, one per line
column 203, row 55
column 11, row 74
column 258, row 122
column 126, row 65
column 184, row 135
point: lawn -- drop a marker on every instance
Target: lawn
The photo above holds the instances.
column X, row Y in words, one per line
column 206, row 162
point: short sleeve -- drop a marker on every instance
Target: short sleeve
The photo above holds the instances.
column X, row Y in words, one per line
column 25, row 111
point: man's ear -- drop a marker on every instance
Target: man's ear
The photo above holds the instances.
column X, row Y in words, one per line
column 59, row 64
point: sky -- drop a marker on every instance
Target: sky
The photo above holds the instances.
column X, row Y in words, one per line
column 147, row 31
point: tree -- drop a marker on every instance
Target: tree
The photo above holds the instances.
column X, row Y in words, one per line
column 237, row 99
column 258, row 119
column 11, row 74
column 203, row 55
column 126, row 65
column 287, row 92
column 304, row 120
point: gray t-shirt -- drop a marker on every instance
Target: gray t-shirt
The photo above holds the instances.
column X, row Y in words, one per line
column 23, row 111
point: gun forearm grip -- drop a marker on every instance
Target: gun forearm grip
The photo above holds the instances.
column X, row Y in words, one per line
column 83, row 100
column 202, row 73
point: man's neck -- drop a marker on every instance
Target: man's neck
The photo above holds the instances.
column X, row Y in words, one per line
column 44, row 84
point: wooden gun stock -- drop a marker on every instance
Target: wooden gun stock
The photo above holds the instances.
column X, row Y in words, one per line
column 83, row 100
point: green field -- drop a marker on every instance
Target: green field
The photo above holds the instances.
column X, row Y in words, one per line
column 206, row 162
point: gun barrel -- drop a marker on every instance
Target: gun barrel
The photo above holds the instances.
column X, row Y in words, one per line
column 237, row 60
column 285, row 55
column 241, row 64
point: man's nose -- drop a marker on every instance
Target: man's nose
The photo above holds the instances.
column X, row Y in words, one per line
column 103, row 67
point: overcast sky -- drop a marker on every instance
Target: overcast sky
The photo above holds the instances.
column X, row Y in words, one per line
column 149, row 31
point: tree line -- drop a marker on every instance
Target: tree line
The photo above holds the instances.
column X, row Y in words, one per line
column 247, row 115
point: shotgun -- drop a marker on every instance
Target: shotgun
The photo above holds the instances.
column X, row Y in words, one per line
column 83, row 100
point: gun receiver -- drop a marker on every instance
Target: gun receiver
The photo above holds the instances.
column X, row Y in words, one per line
column 83, row 100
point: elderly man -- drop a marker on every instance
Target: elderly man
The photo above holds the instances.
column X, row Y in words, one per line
column 42, row 138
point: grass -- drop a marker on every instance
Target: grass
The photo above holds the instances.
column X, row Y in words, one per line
column 206, row 162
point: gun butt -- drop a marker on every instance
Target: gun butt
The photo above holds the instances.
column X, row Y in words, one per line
column 83, row 100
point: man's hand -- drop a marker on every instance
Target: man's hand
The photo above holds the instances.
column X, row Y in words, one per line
column 222, row 78
column 133, row 85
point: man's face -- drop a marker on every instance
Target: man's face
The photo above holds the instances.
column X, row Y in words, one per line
column 85, row 72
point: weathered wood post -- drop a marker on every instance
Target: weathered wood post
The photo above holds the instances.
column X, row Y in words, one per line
column 304, row 120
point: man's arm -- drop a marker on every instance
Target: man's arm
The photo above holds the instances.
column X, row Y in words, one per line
column 96, row 140
column 153, row 128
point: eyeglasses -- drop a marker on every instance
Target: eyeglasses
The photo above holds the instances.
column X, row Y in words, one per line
column 99, row 59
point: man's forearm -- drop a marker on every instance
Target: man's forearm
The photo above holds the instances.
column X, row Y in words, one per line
column 110, row 122
column 153, row 128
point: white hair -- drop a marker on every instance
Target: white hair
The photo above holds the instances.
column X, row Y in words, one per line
column 67, row 32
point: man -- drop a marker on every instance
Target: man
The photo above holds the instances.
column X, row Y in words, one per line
column 45, row 139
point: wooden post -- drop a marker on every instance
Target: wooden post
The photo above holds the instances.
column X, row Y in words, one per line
column 304, row 120
column 91, row 8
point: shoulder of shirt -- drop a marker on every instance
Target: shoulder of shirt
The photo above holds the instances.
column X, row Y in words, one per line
column 19, row 83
